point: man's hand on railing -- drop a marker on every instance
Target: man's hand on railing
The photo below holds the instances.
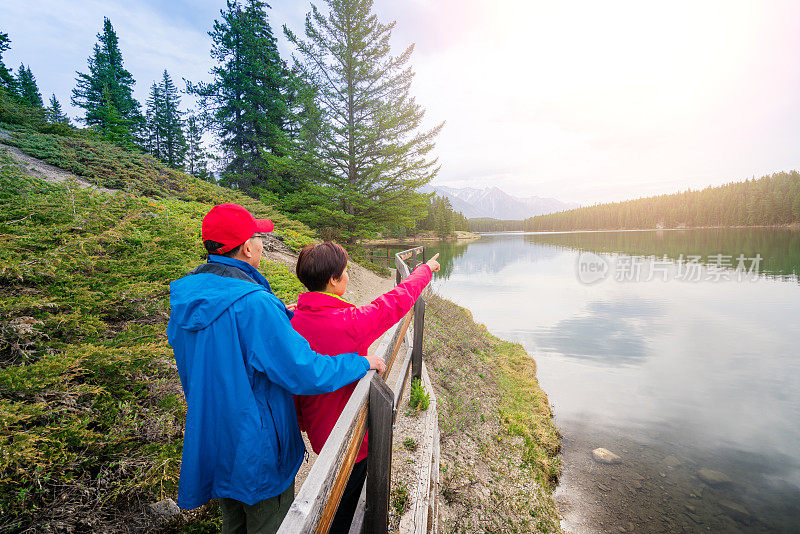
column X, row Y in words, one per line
column 433, row 264
column 376, row 362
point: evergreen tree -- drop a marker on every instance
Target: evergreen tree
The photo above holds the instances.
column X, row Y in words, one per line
column 196, row 161
column 152, row 134
column 54, row 113
column 172, row 123
column 164, row 124
column 27, row 90
column 108, row 85
column 245, row 101
column 117, row 128
column 7, row 80
column 373, row 158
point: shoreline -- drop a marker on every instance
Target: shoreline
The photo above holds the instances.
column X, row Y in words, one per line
column 501, row 450
column 789, row 226
column 459, row 236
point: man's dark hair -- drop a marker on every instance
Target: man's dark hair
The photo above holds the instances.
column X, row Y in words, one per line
column 212, row 246
column 320, row 262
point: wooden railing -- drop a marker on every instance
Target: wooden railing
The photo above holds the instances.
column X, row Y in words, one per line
column 373, row 406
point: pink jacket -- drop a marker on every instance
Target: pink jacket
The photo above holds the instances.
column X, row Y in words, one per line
column 334, row 326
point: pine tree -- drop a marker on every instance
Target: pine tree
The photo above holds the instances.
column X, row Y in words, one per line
column 7, row 80
column 152, row 134
column 164, row 123
column 172, row 123
column 245, row 100
column 373, row 157
column 54, row 113
column 27, row 90
column 117, row 128
column 196, row 160
column 108, row 85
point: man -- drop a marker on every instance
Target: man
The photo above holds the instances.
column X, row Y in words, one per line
column 240, row 361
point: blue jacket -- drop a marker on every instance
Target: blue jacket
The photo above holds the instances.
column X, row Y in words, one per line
column 240, row 361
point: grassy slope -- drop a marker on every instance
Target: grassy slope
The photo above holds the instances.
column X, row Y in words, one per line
column 499, row 446
column 91, row 411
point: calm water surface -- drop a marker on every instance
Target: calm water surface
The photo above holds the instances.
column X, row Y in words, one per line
column 672, row 359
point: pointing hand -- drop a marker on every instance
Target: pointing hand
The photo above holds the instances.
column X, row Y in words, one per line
column 433, row 264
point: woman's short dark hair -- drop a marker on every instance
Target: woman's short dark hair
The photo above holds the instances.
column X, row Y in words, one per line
column 320, row 262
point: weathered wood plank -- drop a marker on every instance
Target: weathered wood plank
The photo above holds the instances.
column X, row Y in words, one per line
column 379, row 460
column 433, row 515
column 401, row 380
column 332, row 503
column 422, row 493
column 405, row 254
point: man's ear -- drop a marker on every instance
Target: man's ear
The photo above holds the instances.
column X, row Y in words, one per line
column 247, row 248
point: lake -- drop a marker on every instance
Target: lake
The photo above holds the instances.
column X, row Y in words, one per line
column 677, row 350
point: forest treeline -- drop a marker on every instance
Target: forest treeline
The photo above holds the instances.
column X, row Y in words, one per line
column 440, row 219
column 333, row 138
column 771, row 200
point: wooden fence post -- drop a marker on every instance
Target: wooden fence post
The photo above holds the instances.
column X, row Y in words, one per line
column 379, row 460
column 419, row 328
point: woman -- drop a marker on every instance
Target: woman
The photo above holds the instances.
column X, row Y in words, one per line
column 332, row 326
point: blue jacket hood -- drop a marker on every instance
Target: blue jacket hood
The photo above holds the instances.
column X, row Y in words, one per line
column 197, row 300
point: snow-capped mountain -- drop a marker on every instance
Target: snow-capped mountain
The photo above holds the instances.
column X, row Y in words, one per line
column 495, row 203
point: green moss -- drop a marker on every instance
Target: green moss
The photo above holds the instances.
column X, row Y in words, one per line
column 115, row 168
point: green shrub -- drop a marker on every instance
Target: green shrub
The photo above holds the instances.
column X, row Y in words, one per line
column 419, row 400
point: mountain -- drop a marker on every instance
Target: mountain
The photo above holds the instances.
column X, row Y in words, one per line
column 495, row 203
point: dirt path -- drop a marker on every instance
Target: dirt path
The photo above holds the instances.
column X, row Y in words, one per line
column 45, row 171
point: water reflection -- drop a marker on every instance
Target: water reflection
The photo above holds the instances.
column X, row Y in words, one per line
column 676, row 377
column 614, row 333
column 779, row 247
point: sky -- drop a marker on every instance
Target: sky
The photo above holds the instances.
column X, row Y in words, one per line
column 583, row 101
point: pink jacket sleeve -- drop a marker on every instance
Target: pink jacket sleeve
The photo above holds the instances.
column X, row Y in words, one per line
column 372, row 320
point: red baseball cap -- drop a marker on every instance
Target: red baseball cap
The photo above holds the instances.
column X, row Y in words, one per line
column 232, row 225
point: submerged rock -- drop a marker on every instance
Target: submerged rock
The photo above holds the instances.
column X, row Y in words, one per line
column 605, row 456
column 713, row 478
column 736, row 511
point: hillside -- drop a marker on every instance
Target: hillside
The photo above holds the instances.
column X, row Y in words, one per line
column 92, row 412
